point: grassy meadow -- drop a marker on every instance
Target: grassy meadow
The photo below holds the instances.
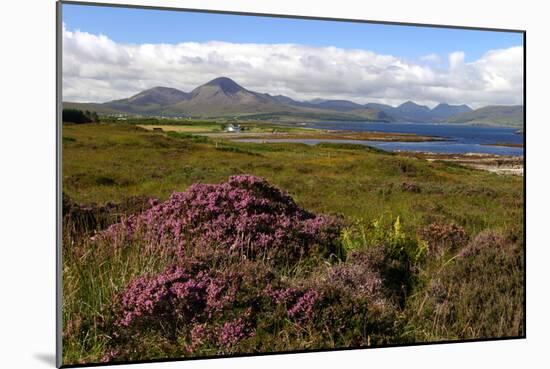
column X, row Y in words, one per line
column 452, row 235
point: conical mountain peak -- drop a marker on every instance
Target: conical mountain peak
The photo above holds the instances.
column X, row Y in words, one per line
column 227, row 85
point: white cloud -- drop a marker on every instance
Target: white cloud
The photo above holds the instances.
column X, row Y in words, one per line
column 95, row 68
column 456, row 60
column 431, row 58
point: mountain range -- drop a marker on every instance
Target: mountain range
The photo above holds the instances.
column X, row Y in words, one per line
column 223, row 97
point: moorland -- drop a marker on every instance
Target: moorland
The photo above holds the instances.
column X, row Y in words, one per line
column 178, row 244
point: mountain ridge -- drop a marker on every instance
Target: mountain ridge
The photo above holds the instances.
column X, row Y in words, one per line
column 223, row 97
column 503, row 115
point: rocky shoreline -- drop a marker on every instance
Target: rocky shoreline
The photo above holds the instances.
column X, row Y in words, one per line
column 499, row 164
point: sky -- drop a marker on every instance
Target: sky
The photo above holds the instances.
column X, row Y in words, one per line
column 111, row 53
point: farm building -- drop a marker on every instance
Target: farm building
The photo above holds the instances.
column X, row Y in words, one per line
column 232, row 128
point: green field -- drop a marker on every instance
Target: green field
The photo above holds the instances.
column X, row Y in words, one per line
column 369, row 188
column 215, row 127
column 109, row 162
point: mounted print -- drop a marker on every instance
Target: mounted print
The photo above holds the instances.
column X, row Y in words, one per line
column 241, row 184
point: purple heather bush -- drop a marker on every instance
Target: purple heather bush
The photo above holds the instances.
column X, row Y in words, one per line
column 298, row 303
column 347, row 304
column 203, row 307
column 244, row 216
column 229, row 286
column 234, row 331
column 192, row 305
column 178, row 293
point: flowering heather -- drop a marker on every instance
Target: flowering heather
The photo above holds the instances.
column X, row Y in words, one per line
column 200, row 334
column 360, row 278
column 191, row 305
column 299, row 303
column 303, row 308
column 234, row 331
column 178, row 293
column 281, row 295
column 244, row 216
column 356, row 281
column 347, row 303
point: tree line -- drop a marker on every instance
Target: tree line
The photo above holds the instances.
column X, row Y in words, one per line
column 79, row 116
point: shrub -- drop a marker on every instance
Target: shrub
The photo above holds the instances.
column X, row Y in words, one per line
column 79, row 116
column 232, row 245
column 237, row 150
column 357, row 307
column 204, row 307
column 345, row 306
column 442, row 238
column 191, row 306
column 244, row 216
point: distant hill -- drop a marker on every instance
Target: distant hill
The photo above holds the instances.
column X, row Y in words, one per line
column 444, row 111
column 157, row 96
column 412, row 112
column 502, row 115
column 415, row 113
column 147, row 101
column 224, row 98
column 97, row 107
column 340, row 105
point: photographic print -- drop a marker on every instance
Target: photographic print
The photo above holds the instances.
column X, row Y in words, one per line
column 239, row 184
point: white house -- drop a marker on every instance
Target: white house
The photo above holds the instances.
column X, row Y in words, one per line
column 232, row 128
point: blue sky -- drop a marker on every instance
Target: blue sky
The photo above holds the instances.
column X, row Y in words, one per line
column 115, row 52
column 129, row 25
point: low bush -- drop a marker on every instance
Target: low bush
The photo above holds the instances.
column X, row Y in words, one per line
column 190, row 307
column 203, row 306
column 442, row 238
column 236, row 150
column 253, row 272
column 245, row 216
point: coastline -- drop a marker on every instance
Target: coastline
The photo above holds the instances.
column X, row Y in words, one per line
column 495, row 163
column 498, row 164
column 299, row 133
column 330, row 135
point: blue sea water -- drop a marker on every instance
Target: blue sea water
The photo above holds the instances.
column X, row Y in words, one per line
column 458, row 139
